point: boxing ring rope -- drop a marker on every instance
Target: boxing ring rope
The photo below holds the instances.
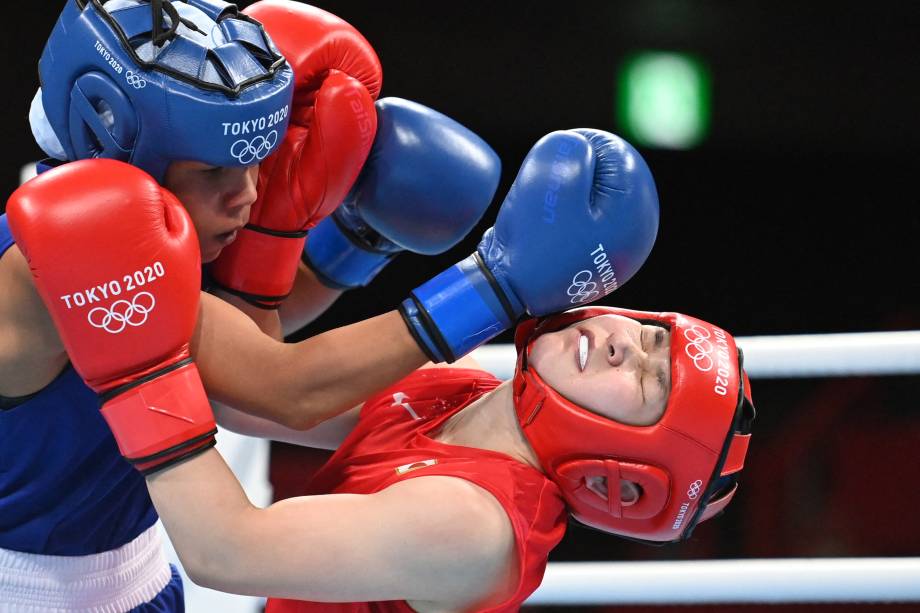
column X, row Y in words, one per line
column 789, row 356
column 775, row 581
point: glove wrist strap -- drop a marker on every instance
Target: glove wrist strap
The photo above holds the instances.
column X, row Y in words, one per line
column 259, row 265
column 161, row 419
column 459, row 310
column 339, row 261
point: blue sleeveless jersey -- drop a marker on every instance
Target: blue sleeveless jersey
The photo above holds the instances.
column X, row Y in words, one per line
column 64, row 487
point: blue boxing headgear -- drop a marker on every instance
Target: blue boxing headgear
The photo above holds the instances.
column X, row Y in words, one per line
column 203, row 82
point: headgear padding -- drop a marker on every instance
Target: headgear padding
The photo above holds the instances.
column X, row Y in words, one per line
column 207, row 84
column 686, row 465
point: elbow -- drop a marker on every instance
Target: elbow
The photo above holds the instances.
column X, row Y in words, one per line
column 299, row 419
column 306, row 414
column 211, row 573
column 198, row 570
column 199, row 576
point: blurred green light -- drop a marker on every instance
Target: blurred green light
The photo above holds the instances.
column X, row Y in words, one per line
column 663, row 100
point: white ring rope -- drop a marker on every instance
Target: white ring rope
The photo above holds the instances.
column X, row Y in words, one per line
column 801, row 580
column 805, row 355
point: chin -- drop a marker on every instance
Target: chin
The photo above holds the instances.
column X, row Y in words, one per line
column 210, row 255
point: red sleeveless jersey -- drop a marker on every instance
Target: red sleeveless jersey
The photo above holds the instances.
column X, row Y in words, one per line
column 391, row 442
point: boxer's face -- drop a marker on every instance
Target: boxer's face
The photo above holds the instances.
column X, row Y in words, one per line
column 611, row 365
column 216, row 198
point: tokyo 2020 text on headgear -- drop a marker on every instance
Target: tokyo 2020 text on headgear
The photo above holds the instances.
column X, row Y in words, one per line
column 201, row 82
column 686, row 465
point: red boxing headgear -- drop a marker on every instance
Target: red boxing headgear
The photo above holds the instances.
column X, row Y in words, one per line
column 686, row 465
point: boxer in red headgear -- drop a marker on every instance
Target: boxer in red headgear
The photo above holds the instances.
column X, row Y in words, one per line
column 682, row 463
column 449, row 489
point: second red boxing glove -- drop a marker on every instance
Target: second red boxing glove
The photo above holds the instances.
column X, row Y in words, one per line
column 118, row 267
column 332, row 127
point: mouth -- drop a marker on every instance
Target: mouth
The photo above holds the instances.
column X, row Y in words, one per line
column 583, row 346
column 226, row 238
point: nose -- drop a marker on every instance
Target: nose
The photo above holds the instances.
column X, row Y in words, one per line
column 622, row 349
column 241, row 192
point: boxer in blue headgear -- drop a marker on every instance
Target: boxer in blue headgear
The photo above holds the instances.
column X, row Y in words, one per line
column 84, row 272
column 196, row 94
column 206, row 84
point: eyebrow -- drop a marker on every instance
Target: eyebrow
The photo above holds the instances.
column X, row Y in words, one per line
column 663, row 380
column 661, row 375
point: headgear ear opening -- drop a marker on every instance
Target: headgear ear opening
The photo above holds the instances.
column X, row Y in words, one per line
column 92, row 133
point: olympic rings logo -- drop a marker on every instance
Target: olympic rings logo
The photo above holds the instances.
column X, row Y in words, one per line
column 694, row 490
column 248, row 152
column 699, row 348
column 582, row 288
column 123, row 313
column 135, row 80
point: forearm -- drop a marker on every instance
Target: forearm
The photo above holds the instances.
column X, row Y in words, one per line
column 327, row 435
column 299, row 384
column 268, row 320
column 349, row 364
column 308, row 300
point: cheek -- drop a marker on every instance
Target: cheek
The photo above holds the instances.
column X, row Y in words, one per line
column 199, row 206
column 545, row 357
column 607, row 394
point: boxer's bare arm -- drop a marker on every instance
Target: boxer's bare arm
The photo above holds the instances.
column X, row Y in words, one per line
column 441, row 543
column 298, row 384
column 31, row 352
column 308, row 300
column 267, row 320
column 327, row 435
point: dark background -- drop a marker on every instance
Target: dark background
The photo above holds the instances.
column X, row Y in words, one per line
column 798, row 214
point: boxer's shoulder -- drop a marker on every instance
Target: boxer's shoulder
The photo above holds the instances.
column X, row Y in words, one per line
column 31, row 353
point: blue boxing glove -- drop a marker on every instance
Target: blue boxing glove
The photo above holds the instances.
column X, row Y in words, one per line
column 578, row 222
column 426, row 183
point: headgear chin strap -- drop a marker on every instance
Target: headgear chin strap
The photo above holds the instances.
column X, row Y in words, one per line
column 200, row 82
column 686, row 465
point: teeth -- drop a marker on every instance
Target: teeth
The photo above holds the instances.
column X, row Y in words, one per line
column 582, row 351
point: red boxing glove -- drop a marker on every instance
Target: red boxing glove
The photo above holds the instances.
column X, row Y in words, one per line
column 337, row 77
column 117, row 263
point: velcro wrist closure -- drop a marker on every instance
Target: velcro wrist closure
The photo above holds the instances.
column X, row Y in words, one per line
column 416, row 320
column 154, row 419
column 460, row 310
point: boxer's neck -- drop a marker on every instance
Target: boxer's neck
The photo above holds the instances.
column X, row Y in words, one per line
column 490, row 422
